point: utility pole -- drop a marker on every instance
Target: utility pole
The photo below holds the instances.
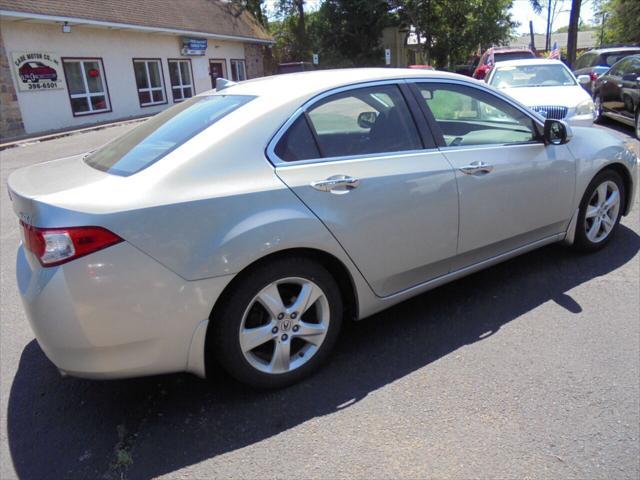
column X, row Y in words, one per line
column 572, row 35
column 533, row 38
column 547, row 45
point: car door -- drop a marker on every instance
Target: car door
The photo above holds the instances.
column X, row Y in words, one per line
column 514, row 190
column 611, row 88
column 365, row 165
column 630, row 89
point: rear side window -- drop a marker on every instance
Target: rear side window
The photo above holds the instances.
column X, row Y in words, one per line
column 298, row 143
column 584, row 60
column 160, row 135
column 356, row 122
column 609, row 59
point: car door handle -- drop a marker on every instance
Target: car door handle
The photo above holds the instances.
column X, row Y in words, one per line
column 477, row 167
column 338, row 184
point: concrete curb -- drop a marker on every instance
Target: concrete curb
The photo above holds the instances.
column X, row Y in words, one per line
column 66, row 133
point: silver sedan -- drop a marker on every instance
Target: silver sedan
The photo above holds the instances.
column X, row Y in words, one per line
column 241, row 227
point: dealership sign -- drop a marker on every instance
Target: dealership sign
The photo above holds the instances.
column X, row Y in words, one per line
column 193, row 46
column 37, row 71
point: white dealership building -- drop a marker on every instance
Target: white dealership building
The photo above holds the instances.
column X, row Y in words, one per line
column 74, row 63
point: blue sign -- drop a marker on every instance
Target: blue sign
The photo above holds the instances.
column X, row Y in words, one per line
column 193, row 46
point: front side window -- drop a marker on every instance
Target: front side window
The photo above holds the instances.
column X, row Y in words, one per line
column 469, row 116
column 238, row 70
column 163, row 133
column 149, row 81
column 87, row 87
column 364, row 121
column 181, row 79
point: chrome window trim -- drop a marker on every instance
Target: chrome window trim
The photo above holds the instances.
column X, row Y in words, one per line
column 278, row 162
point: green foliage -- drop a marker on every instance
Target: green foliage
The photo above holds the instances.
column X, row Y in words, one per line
column 348, row 33
column 622, row 20
column 453, row 29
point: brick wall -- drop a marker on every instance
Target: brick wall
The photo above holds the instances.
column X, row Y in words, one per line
column 10, row 117
column 254, row 56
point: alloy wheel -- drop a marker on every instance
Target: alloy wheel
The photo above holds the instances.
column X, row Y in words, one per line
column 602, row 211
column 284, row 325
column 597, row 110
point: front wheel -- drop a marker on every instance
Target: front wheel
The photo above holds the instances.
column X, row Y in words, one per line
column 597, row 108
column 600, row 211
column 279, row 324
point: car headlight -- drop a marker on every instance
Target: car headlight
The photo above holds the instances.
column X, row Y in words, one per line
column 585, row 108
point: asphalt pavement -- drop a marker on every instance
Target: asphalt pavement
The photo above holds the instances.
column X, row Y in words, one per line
column 530, row 369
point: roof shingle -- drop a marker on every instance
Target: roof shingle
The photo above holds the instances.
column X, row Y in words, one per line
column 206, row 16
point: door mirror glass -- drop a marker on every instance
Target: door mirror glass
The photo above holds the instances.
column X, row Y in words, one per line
column 366, row 120
column 584, row 79
column 556, row 132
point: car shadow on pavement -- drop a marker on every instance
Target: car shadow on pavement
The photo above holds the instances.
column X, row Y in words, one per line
column 143, row 428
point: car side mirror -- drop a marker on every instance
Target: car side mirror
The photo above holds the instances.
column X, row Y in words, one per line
column 367, row 119
column 556, row 132
column 584, row 79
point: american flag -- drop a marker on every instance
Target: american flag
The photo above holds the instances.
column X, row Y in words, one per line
column 555, row 51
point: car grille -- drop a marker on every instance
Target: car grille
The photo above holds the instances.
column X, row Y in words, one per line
column 551, row 111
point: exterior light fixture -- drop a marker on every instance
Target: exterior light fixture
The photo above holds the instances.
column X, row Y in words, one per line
column 66, row 28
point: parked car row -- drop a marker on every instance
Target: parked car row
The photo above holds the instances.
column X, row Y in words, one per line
column 605, row 82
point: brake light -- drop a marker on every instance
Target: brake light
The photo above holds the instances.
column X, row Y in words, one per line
column 55, row 246
column 593, row 76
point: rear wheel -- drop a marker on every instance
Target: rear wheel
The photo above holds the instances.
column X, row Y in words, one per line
column 600, row 211
column 279, row 324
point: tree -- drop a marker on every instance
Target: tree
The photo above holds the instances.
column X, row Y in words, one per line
column 349, row 32
column 621, row 20
column 453, row 29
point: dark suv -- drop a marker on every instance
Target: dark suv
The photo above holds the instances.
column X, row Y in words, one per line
column 616, row 94
column 597, row 61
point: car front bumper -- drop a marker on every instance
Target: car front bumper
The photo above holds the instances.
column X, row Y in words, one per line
column 117, row 313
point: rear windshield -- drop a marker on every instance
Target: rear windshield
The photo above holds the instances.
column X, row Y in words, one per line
column 163, row 133
column 503, row 57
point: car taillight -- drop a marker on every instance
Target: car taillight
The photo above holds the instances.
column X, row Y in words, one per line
column 54, row 246
column 593, row 76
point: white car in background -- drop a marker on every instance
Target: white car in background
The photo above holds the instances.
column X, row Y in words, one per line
column 547, row 87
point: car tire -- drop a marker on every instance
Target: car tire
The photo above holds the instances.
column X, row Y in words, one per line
column 597, row 109
column 295, row 345
column 600, row 211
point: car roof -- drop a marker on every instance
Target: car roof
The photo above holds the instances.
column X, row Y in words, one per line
column 528, row 61
column 613, row 49
column 309, row 83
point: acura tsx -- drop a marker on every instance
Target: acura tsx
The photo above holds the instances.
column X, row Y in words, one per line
column 241, row 227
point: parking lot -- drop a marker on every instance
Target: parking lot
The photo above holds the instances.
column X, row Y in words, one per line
column 530, row 369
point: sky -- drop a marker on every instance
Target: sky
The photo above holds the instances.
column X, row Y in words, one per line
column 521, row 12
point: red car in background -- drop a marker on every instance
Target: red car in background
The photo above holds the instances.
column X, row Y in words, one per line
column 499, row 54
column 35, row 71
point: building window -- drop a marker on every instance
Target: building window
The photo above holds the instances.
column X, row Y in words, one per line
column 149, row 81
column 238, row 70
column 181, row 79
column 87, row 86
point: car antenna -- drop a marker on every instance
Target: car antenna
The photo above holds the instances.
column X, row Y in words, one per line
column 222, row 83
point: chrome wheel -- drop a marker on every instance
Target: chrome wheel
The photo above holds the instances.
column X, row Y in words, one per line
column 602, row 211
column 284, row 325
column 597, row 108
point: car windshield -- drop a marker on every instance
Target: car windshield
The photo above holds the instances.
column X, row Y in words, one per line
column 162, row 134
column 532, row 76
column 503, row 57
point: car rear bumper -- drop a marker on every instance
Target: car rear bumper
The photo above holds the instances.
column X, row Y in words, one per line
column 116, row 313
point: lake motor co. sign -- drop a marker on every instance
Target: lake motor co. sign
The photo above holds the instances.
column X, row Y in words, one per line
column 37, row 71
